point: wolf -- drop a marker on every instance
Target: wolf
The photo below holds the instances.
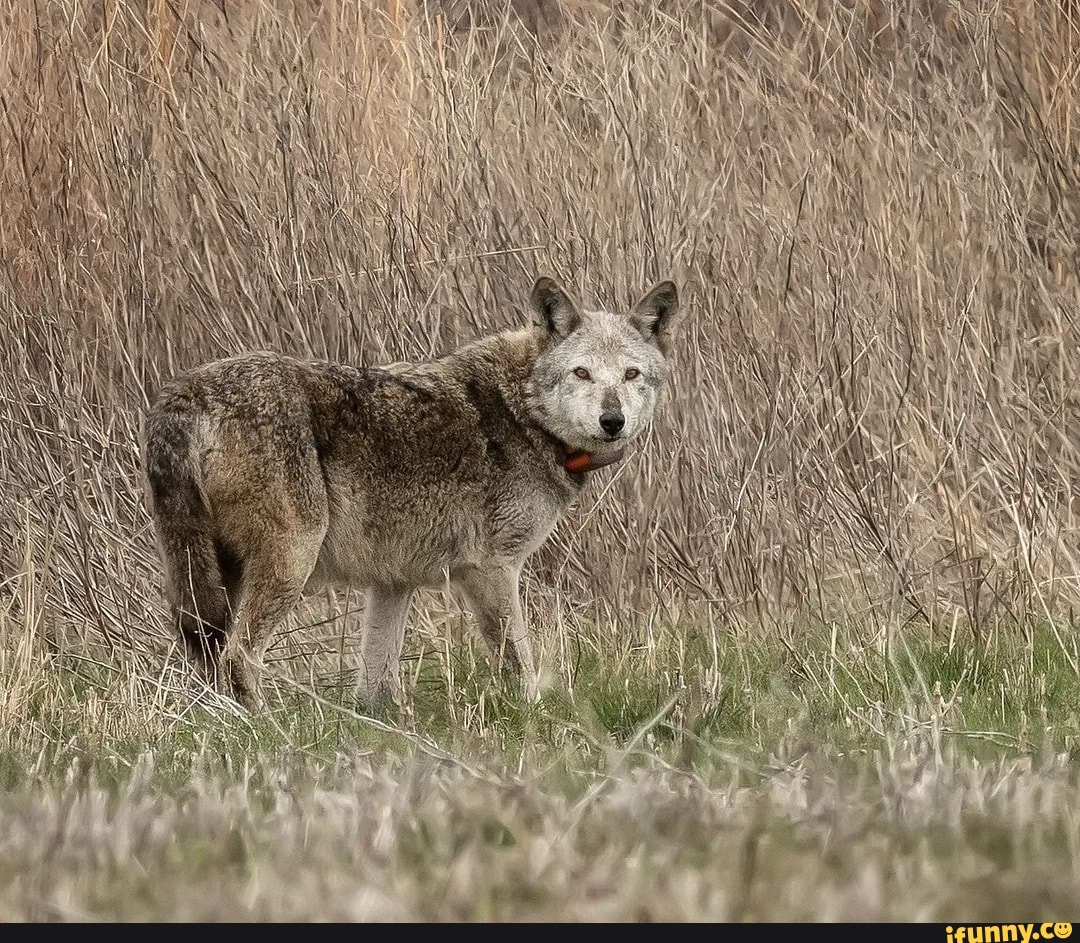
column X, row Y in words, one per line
column 268, row 476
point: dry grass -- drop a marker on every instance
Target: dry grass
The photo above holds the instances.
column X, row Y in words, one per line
column 873, row 209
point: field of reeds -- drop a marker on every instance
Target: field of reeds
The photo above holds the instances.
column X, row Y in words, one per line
column 811, row 653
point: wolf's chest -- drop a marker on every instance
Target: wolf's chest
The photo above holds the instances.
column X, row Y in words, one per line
column 522, row 515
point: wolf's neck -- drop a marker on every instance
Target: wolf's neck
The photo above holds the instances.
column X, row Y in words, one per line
column 504, row 364
column 502, row 367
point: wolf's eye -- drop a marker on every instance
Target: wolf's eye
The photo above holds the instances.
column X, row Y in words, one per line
column 632, row 374
column 582, row 374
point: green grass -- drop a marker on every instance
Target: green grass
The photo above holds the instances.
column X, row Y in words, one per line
column 696, row 778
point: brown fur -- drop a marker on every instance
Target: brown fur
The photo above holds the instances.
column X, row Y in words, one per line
column 268, row 475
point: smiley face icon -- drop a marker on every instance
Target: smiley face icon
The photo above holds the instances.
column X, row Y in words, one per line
column 1063, row 930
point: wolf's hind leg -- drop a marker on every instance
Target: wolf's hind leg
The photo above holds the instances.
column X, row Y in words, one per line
column 274, row 577
column 495, row 597
column 382, row 634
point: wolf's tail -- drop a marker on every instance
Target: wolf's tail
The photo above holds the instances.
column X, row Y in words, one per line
column 194, row 582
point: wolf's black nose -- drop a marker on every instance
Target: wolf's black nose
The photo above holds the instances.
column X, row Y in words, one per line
column 611, row 423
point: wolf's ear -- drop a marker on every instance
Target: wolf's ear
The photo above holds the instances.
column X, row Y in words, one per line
column 657, row 315
column 554, row 310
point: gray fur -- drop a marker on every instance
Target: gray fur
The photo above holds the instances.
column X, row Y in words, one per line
column 269, row 476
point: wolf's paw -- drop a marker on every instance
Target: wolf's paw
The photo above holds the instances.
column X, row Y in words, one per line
column 239, row 679
column 378, row 698
column 530, row 686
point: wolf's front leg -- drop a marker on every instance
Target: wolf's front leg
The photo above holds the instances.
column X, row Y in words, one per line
column 382, row 634
column 495, row 598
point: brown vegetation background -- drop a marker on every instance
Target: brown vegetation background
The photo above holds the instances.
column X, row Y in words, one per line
column 872, row 209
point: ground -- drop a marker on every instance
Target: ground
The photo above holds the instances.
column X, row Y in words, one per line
column 692, row 777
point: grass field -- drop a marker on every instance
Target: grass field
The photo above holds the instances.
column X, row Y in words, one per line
column 811, row 653
column 694, row 778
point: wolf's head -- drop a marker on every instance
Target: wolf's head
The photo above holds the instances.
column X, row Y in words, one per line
column 601, row 376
